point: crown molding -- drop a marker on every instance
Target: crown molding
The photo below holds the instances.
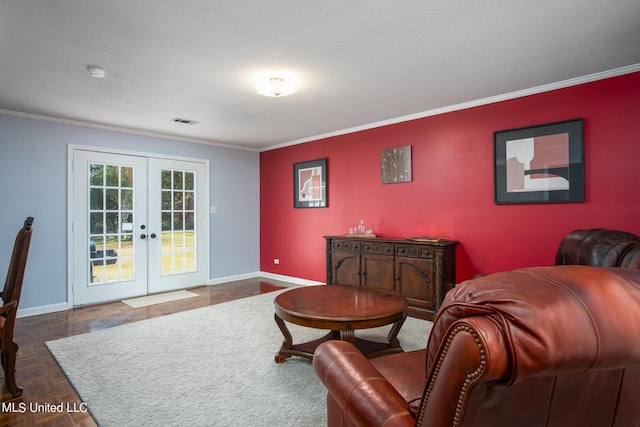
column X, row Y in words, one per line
column 470, row 104
column 456, row 107
column 122, row 130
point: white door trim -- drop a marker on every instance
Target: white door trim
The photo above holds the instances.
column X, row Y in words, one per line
column 70, row 202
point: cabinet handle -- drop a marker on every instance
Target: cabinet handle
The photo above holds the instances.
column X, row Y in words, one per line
column 424, row 275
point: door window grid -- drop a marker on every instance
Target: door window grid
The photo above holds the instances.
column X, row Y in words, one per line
column 178, row 253
column 111, row 244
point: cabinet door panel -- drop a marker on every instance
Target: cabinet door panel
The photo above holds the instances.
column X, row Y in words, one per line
column 346, row 268
column 415, row 281
column 378, row 271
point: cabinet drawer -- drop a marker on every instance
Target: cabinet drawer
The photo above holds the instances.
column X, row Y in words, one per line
column 376, row 248
column 402, row 250
column 414, row 251
column 345, row 245
column 423, row 251
column 386, row 249
column 340, row 245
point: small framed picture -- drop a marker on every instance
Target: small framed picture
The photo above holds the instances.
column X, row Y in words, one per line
column 395, row 165
column 540, row 164
column 310, row 184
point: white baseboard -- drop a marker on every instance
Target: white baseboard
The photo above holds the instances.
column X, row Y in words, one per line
column 63, row 306
column 235, row 278
column 43, row 309
column 290, row 279
column 272, row 276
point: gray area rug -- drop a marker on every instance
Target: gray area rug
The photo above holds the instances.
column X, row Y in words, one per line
column 211, row 366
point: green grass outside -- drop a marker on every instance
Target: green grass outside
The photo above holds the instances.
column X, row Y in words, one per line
column 178, row 256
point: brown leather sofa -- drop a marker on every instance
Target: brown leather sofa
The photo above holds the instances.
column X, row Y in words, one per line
column 540, row 346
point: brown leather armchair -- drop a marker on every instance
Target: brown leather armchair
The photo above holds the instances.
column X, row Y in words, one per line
column 540, row 346
column 599, row 247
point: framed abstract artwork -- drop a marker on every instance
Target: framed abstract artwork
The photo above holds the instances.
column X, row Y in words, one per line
column 310, row 184
column 540, row 164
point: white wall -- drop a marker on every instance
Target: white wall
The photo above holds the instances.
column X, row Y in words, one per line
column 33, row 182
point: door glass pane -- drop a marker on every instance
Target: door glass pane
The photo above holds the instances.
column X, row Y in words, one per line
column 112, row 175
column 166, row 200
column 126, row 177
column 96, row 174
column 188, row 201
column 96, row 222
column 177, row 200
column 126, row 199
column 112, row 199
column 127, row 224
column 166, row 179
column 95, row 198
column 111, row 243
column 166, row 221
column 178, row 253
column 189, row 224
column 177, row 221
column 189, row 183
column 112, row 222
column 177, row 180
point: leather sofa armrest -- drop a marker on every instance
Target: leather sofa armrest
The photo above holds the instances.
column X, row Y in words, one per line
column 364, row 395
column 631, row 258
column 473, row 350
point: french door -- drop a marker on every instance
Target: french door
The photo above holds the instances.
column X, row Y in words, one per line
column 139, row 225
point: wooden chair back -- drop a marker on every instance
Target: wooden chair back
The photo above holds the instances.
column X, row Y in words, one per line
column 11, row 298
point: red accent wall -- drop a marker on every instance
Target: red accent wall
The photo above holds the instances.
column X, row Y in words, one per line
column 452, row 192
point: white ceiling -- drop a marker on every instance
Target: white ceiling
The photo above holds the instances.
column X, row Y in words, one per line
column 360, row 62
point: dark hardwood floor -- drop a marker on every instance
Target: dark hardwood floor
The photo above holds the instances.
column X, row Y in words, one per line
column 43, row 381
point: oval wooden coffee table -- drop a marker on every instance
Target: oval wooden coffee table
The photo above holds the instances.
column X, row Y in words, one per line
column 342, row 309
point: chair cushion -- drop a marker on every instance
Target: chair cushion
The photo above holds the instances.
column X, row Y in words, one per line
column 407, row 373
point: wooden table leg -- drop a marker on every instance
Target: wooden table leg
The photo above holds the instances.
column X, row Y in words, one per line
column 392, row 337
column 288, row 340
column 305, row 349
column 348, row 335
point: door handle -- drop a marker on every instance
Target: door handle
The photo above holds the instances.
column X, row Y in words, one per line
column 143, row 236
column 152, row 235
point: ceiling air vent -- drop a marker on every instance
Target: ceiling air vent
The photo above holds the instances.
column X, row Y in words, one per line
column 184, row 121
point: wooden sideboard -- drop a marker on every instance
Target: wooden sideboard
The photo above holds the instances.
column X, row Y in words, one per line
column 422, row 272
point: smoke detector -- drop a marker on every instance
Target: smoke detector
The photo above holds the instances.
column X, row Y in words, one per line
column 95, row 72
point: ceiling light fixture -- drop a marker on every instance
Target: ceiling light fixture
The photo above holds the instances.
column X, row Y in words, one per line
column 276, row 84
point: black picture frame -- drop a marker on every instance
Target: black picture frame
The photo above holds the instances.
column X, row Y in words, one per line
column 310, row 184
column 540, row 164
